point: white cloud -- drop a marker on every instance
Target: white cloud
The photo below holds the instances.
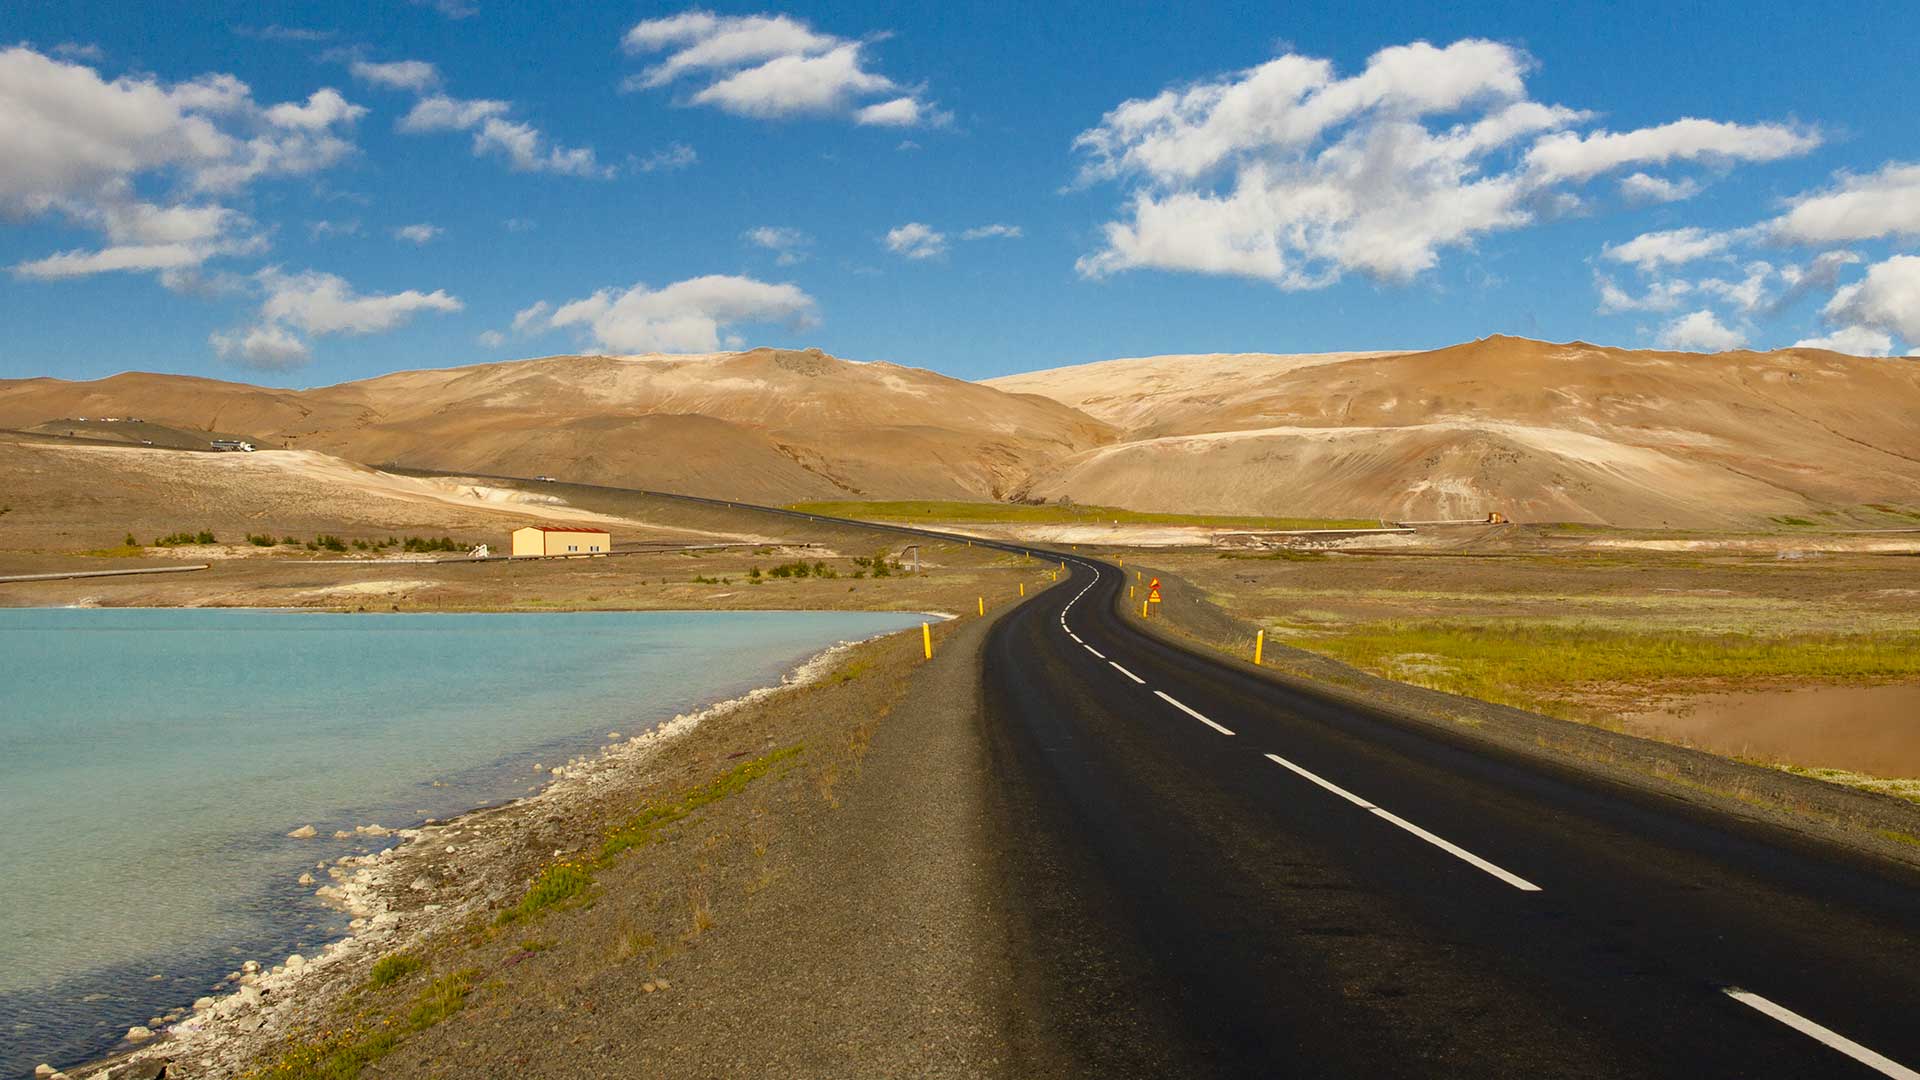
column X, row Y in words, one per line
column 146, row 237
column 416, row 75
column 916, row 240
column 1660, row 295
column 524, row 147
column 418, row 234
column 1572, row 156
column 1654, row 189
column 65, row 132
column 668, row 159
column 1700, row 331
column 320, row 303
column 317, row 304
column 987, row 232
column 1650, row 251
column 1749, row 294
column 785, row 241
column 686, row 316
column 771, row 67
column 902, row 112
column 529, row 318
column 323, row 109
column 1291, row 174
column 1883, row 203
column 492, row 339
column 1888, row 299
column 1852, row 340
column 267, row 347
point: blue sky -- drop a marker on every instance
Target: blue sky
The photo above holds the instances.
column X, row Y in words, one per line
column 301, row 194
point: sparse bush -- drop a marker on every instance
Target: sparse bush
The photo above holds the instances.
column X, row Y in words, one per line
column 261, row 539
column 329, row 542
column 181, row 538
column 129, row 541
column 557, row 883
column 428, row 543
column 393, row 967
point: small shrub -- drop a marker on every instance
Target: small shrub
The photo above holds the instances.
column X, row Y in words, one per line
column 130, row 541
column 556, row 884
column 393, row 967
column 329, row 542
column 261, row 539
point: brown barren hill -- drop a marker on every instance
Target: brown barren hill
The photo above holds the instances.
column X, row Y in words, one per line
column 1538, row 430
column 764, row 425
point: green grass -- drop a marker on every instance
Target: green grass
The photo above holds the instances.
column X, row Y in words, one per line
column 1058, row 514
column 640, row 829
column 1513, row 663
column 393, row 967
column 564, row 881
column 344, row 1055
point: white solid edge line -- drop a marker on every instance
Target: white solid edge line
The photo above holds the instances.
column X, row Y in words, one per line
column 1183, row 707
column 1093, row 650
column 1450, row 848
column 1128, row 674
column 1075, row 637
column 1878, row 1062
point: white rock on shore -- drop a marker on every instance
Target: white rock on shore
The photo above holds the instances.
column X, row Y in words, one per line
column 304, row 832
column 138, row 1033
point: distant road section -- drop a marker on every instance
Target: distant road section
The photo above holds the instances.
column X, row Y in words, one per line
column 104, row 573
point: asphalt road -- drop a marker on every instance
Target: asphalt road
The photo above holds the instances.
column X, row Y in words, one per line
column 1225, row 876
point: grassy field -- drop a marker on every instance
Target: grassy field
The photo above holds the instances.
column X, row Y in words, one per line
column 1058, row 514
column 1532, row 665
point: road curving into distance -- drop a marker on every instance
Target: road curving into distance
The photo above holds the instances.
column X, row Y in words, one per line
column 1217, row 874
column 1285, row 885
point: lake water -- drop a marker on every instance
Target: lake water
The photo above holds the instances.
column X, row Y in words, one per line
column 153, row 760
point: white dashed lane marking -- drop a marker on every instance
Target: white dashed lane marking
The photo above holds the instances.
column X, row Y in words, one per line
column 1878, row 1062
column 1450, row 848
column 1128, row 674
column 1183, row 707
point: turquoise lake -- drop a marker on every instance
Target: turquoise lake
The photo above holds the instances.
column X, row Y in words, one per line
column 153, row 760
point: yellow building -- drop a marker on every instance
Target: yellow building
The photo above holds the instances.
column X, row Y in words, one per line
column 560, row 540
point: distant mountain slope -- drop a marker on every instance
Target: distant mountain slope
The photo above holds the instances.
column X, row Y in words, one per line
column 766, row 425
column 1538, row 430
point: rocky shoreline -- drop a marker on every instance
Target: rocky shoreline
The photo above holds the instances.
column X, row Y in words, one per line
column 438, row 877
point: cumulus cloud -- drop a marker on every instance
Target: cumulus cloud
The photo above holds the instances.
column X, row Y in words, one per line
column 787, row 243
column 524, row 146
column 452, row 9
column 1888, row 299
column 267, row 347
column 418, row 76
column 1642, row 188
column 771, row 67
column 74, row 50
column 418, row 234
column 988, row 232
column 1852, row 340
column 916, row 240
column 687, row 316
column 1289, row 173
column 1879, row 204
column 323, row 109
column 317, row 304
column 1700, row 331
column 144, row 236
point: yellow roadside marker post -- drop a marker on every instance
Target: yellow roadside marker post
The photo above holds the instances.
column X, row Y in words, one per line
column 926, row 640
column 983, row 604
column 1143, row 609
column 1023, row 588
column 1259, row 640
column 1129, row 592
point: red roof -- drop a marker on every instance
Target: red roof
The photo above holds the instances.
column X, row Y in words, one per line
column 564, row 529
